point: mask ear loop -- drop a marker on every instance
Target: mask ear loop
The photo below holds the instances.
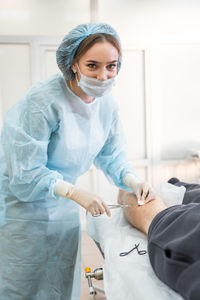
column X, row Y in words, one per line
column 78, row 68
column 70, row 82
column 76, row 73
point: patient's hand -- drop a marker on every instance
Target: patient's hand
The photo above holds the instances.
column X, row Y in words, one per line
column 140, row 216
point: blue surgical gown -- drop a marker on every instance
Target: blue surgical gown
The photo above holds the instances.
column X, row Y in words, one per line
column 50, row 134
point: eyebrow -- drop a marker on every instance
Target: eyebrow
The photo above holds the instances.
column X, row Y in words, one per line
column 97, row 62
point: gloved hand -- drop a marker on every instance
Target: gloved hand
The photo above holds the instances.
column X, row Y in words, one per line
column 90, row 201
column 143, row 190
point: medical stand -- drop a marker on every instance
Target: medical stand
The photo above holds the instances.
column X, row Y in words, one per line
column 98, row 275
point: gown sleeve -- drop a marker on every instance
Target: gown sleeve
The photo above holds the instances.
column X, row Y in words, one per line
column 25, row 138
column 113, row 157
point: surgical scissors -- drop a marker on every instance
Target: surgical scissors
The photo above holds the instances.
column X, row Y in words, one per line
column 113, row 206
column 140, row 252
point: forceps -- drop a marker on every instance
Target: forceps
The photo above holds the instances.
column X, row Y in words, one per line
column 113, row 206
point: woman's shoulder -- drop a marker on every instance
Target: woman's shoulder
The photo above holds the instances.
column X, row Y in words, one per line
column 45, row 93
column 41, row 99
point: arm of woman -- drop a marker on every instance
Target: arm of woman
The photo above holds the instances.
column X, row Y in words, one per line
column 25, row 140
column 25, row 137
column 113, row 157
column 113, row 160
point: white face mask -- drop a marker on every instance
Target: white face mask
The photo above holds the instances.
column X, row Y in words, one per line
column 94, row 87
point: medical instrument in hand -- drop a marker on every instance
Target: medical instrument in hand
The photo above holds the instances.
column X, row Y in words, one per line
column 113, row 206
column 140, row 252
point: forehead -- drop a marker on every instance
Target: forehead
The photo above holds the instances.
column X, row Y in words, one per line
column 101, row 51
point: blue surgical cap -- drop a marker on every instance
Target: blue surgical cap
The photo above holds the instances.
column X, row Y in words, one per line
column 69, row 45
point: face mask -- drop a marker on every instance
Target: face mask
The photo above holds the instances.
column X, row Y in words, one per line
column 94, row 87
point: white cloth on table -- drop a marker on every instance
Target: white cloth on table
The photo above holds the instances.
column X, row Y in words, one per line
column 130, row 277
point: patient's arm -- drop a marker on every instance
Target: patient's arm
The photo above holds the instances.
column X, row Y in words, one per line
column 140, row 216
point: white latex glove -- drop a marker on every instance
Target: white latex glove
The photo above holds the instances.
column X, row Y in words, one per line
column 90, row 201
column 143, row 190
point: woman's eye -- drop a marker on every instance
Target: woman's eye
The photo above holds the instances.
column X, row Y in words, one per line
column 112, row 66
column 91, row 66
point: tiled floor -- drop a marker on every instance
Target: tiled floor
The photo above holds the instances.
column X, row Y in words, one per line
column 91, row 257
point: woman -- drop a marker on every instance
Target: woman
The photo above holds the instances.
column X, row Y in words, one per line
column 50, row 137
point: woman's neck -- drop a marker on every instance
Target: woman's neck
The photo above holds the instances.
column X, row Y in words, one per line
column 72, row 84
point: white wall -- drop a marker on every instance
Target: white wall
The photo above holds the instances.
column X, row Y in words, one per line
column 45, row 17
column 180, row 95
column 152, row 20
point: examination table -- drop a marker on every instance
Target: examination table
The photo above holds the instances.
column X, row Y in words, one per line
column 130, row 277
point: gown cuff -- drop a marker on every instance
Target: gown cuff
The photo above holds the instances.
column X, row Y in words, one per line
column 130, row 180
column 62, row 188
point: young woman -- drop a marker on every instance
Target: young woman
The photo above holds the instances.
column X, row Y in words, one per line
column 50, row 137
